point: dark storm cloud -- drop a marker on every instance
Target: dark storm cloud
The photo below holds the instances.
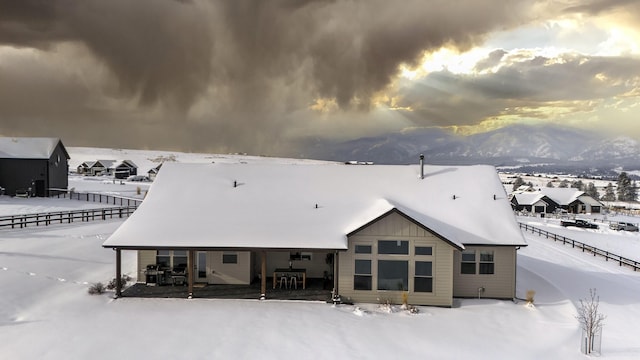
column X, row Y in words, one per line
column 444, row 98
column 237, row 70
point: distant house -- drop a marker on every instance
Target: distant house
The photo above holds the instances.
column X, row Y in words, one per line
column 377, row 231
column 549, row 200
column 33, row 166
column 153, row 172
column 124, row 169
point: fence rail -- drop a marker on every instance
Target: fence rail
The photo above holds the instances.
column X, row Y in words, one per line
column 96, row 197
column 635, row 265
column 60, row 217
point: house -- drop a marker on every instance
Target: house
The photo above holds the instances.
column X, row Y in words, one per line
column 33, row 166
column 96, row 168
column 549, row 200
column 380, row 231
column 153, row 172
column 124, row 169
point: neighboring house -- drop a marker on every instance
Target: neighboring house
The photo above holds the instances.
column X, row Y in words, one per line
column 97, row 167
column 388, row 230
column 124, row 169
column 33, row 166
column 152, row 173
column 548, row 200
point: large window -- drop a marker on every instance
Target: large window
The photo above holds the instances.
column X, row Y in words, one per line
column 393, row 275
column 423, row 280
column 486, row 262
column 163, row 258
column 393, row 247
column 362, row 276
column 180, row 259
column 468, row 264
column 171, row 259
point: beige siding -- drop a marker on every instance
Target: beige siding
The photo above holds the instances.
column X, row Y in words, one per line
column 500, row 285
column 219, row 273
column 145, row 257
column 396, row 227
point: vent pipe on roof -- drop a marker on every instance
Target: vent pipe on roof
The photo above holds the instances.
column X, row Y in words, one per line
column 235, row 183
column 421, row 166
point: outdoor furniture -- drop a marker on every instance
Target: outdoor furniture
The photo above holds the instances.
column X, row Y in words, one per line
column 294, row 282
column 283, row 280
column 288, row 273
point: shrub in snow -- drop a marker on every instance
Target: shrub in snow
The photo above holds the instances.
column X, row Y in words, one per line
column 123, row 282
column 96, row 289
column 529, row 297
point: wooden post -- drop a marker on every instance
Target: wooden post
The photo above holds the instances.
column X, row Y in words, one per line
column 118, row 273
column 191, row 269
column 263, row 275
column 336, row 274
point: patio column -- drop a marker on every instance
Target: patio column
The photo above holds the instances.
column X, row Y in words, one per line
column 336, row 274
column 118, row 273
column 191, row 267
column 263, row 276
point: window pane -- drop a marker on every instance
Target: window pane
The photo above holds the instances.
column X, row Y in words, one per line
column 393, row 275
column 361, row 282
column 423, row 268
column 163, row 258
column 363, row 267
column 363, row 249
column 393, row 247
column 486, row 268
column 202, row 264
column 468, row 255
column 180, row 259
column 424, row 250
column 486, row 256
column 468, row 268
column 229, row 258
column 423, row 284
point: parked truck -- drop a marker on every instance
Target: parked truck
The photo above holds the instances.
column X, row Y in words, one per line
column 579, row 223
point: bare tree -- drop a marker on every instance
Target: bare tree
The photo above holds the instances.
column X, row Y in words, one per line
column 590, row 318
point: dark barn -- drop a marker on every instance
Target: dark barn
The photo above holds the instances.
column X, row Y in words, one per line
column 33, row 166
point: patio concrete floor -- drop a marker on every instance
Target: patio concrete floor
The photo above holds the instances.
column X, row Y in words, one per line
column 314, row 291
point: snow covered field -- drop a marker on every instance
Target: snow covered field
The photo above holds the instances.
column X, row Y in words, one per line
column 46, row 313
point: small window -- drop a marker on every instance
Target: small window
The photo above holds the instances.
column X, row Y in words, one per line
column 163, row 258
column 299, row 256
column 486, row 262
column 468, row 264
column 393, row 247
column 363, row 249
column 423, row 280
column 362, row 276
column 424, row 250
column 229, row 258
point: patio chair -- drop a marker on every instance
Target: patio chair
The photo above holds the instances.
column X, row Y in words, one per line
column 284, row 280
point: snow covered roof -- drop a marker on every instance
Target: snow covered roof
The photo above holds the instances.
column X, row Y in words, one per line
column 528, row 198
column 27, row 147
column 316, row 206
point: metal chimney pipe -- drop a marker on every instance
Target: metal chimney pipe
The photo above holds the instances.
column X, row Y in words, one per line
column 421, row 166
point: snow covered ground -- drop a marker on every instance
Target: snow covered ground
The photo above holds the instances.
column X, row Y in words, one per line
column 46, row 313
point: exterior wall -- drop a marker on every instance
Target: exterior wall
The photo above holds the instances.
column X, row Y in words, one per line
column 58, row 174
column 22, row 174
column 500, row 285
column 219, row 273
column 396, row 227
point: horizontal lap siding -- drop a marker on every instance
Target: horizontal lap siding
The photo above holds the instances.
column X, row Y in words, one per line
column 396, row 227
column 145, row 257
column 500, row 285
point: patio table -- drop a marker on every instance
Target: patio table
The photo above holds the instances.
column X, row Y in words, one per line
column 290, row 272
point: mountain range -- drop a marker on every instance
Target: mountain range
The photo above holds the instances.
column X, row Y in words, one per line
column 508, row 146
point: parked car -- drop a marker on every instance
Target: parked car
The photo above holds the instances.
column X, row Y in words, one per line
column 22, row 193
column 138, row 178
column 579, row 223
column 623, row 226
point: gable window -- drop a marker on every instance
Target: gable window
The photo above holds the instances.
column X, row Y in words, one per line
column 393, row 275
column 423, row 280
column 468, row 263
column 486, row 262
column 230, row 258
column 393, row 247
column 363, row 249
column 362, row 275
column 424, row 250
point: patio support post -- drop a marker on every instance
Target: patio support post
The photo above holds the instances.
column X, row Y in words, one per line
column 336, row 268
column 118, row 273
column 263, row 276
column 191, row 267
